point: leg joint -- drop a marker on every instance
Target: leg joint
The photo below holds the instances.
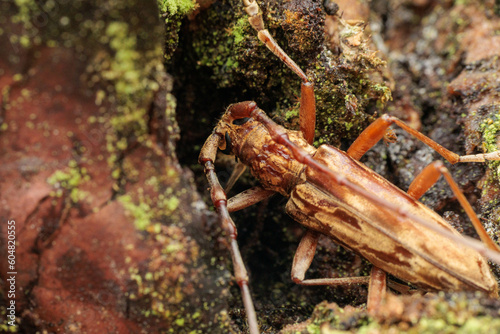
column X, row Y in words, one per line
column 439, row 165
column 388, row 118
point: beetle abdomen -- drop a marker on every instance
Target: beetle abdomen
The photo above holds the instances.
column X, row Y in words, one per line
column 391, row 242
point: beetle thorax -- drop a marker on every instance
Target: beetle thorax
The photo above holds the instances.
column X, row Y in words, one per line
column 271, row 163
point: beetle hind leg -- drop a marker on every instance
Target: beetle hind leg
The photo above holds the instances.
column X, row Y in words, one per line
column 377, row 281
column 303, row 258
column 377, row 290
column 429, row 176
column 377, row 130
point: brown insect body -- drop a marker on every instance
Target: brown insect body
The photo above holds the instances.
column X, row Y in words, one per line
column 271, row 163
column 387, row 239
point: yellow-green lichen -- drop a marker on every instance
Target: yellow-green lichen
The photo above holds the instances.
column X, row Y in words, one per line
column 147, row 211
column 126, row 71
column 162, row 283
column 69, row 180
column 141, row 212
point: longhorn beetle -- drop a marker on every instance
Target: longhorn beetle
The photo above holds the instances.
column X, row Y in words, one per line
column 330, row 192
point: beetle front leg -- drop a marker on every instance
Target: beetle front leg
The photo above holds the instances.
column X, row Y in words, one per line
column 219, row 199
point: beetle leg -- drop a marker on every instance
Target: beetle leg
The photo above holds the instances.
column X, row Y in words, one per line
column 373, row 133
column 207, row 157
column 377, row 289
column 304, row 255
column 303, row 258
column 403, row 289
column 247, row 198
column 255, row 19
column 238, row 170
column 429, row 176
column 424, row 180
column 307, row 113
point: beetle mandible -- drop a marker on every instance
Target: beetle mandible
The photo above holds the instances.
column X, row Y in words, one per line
column 330, row 192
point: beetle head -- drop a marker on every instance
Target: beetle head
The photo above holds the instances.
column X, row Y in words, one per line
column 235, row 125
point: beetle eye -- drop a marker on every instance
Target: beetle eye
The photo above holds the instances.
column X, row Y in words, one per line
column 241, row 121
column 227, row 150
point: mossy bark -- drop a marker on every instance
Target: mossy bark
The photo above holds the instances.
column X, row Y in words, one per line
column 112, row 236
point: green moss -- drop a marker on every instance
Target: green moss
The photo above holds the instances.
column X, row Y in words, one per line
column 122, row 72
column 219, row 50
column 6, row 328
column 26, row 9
column 347, row 96
column 238, row 30
column 37, row 23
column 128, row 81
column 156, row 284
column 171, row 203
column 176, row 7
column 173, row 11
column 5, row 104
column 125, row 71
